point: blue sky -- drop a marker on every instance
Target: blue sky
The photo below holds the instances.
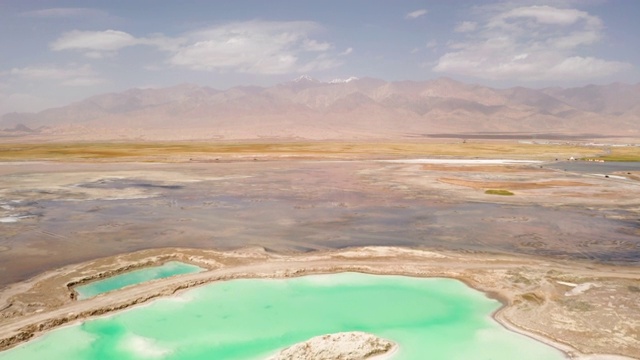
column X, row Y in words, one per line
column 56, row 52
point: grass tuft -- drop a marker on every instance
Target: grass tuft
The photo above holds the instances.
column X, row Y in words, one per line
column 499, row 192
column 621, row 153
column 184, row 151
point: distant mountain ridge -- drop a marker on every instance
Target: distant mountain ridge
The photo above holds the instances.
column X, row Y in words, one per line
column 350, row 108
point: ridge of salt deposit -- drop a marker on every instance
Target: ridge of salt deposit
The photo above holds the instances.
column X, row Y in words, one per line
column 345, row 345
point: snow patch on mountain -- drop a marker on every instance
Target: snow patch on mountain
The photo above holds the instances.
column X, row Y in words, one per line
column 343, row 81
column 306, row 78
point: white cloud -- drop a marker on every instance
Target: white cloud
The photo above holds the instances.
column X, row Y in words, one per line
column 466, row 26
column 547, row 15
column 49, row 72
column 162, row 42
column 99, row 54
column 103, row 44
column 347, row 51
column 575, row 39
column 66, row 13
column 576, row 66
column 84, row 81
column 431, row 45
column 72, row 75
column 313, row 45
column 92, row 41
column 416, row 14
column 259, row 47
column 321, row 62
column 530, row 43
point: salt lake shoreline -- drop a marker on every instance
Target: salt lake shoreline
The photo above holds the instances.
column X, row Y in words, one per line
column 257, row 263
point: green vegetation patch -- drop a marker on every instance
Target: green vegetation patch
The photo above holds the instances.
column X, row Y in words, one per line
column 620, row 153
column 620, row 158
column 498, row 192
column 185, row 151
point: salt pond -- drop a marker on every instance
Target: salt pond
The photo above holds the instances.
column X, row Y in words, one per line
column 252, row 319
column 134, row 277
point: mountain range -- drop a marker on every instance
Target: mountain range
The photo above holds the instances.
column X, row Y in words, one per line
column 341, row 109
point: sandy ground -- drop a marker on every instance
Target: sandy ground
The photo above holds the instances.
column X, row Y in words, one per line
column 46, row 209
column 600, row 320
column 562, row 253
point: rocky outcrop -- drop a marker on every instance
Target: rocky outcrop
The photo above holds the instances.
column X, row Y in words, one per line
column 346, row 345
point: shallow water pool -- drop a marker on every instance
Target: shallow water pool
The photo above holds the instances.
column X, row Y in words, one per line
column 252, row 319
column 134, row 277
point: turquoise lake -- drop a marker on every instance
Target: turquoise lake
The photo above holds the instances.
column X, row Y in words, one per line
column 439, row 319
column 134, row 277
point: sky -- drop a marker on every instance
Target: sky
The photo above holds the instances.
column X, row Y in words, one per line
column 55, row 52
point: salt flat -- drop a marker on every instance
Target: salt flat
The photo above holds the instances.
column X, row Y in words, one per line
column 77, row 219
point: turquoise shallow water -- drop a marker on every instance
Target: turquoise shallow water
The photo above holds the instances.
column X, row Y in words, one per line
column 439, row 319
column 135, row 277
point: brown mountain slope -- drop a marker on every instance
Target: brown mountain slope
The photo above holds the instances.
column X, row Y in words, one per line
column 363, row 108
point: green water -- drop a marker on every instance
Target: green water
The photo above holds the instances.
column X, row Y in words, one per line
column 135, row 277
column 439, row 319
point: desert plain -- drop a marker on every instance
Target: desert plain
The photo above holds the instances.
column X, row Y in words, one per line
column 556, row 240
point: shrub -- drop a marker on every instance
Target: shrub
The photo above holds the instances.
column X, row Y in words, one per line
column 499, row 192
